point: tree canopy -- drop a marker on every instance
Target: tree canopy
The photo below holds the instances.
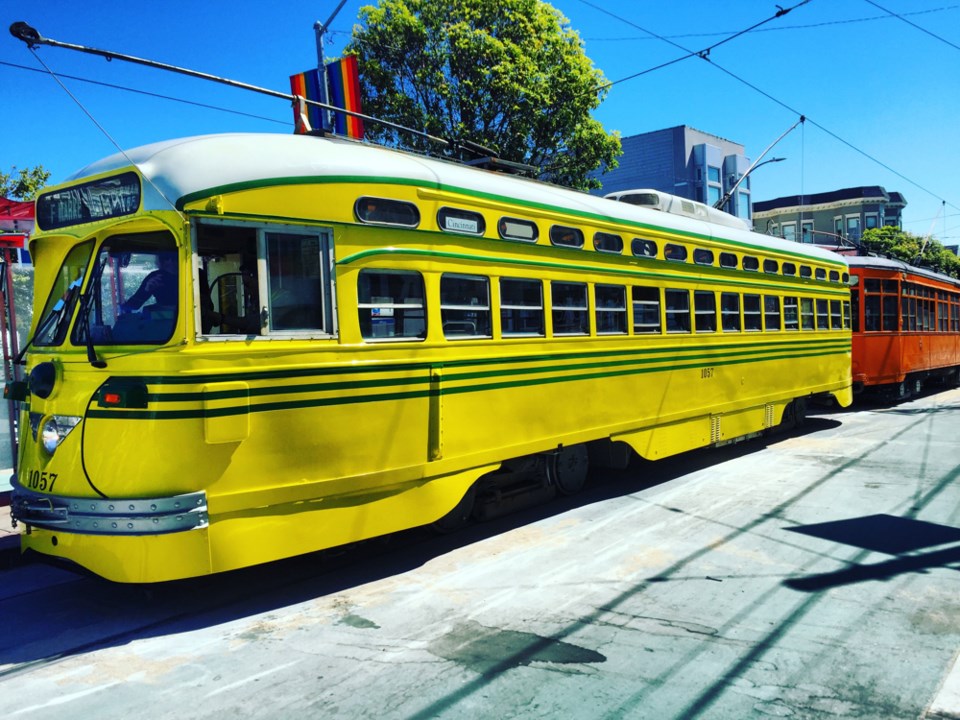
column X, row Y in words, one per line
column 23, row 185
column 510, row 75
column 895, row 243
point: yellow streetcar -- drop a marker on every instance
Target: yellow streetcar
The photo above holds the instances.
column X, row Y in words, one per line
column 253, row 346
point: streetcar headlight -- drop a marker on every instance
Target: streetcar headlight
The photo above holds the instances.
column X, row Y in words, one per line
column 42, row 380
column 55, row 429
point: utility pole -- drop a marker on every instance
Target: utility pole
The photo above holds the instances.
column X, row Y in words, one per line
column 320, row 29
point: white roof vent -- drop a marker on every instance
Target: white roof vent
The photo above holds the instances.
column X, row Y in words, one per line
column 665, row 202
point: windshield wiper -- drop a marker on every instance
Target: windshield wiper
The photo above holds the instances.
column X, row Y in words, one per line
column 56, row 316
column 83, row 327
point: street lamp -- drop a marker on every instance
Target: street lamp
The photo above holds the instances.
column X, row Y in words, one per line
column 729, row 194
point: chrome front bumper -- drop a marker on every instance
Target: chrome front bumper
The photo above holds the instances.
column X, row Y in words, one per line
column 112, row 516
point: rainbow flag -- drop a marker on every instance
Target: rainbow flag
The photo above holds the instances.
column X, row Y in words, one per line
column 307, row 85
column 343, row 77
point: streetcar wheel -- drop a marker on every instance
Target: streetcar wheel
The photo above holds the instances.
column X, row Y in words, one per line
column 569, row 469
column 460, row 515
column 794, row 414
column 917, row 386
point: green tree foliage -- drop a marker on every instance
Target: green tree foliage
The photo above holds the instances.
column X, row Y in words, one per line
column 895, row 243
column 23, row 185
column 510, row 75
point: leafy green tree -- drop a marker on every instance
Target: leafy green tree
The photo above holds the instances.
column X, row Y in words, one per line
column 895, row 243
column 510, row 75
column 23, row 185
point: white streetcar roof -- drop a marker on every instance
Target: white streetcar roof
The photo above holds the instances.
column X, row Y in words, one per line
column 176, row 169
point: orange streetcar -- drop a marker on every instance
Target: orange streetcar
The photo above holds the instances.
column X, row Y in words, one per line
column 906, row 327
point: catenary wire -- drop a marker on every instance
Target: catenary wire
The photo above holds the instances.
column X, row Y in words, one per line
column 148, row 93
column 781, row 28
column 104, row 131
column 913, row 24
column 689, row 53
column 705, row 56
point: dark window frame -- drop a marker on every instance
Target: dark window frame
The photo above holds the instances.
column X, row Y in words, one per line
column 445, row 213
column 504, row 223
column 600, row 239
column 559, row 233
column 389, row 207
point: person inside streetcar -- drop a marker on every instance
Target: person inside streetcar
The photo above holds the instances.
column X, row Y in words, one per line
column 161, row 285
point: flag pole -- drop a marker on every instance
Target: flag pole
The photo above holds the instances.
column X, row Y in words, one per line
column 320, row 29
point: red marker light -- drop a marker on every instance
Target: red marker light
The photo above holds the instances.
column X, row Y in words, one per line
column 111, row 398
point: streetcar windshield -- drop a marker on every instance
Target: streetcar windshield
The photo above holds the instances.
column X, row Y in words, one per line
column 134, row 292
column 52, row 328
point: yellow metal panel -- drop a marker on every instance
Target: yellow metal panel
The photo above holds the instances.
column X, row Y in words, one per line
column 225, row 428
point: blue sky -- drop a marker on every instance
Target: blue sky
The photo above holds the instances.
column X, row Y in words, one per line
column 882, row 96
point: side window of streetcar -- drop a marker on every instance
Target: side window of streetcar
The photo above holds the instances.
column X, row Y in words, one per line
column 607, row 242
column 771, row 313
column 643, row 248
column 564, row 236
column 390, row 305
column 752, row 315
column 791, row 314
column 823, row 322
column 702, row 256
column 646, row 309
column 677, row 303
column 515, row 229
column 728, row 260
column 806, row 314
column 836, row 319
column 570, row 311
column 229, row 279
column 465, row 306
column 384, row 211
column 730, row 312
column 461, row 221
column 677, row 253
column 521, row 307
column 855, row 309
column 296, row 277
column 611, row 304
column 705, row 310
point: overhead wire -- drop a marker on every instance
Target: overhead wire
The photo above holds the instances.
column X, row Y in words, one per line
column 704, row 55
column 148, row 93
column 690, row 53
column 103, row 130
column 782, row 28
column 913, row 24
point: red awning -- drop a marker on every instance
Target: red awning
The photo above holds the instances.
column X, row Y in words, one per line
column 16, row 209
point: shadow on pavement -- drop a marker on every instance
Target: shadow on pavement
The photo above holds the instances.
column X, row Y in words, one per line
column 76, row 613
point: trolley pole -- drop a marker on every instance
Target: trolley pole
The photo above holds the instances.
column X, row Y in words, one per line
column 320, row 29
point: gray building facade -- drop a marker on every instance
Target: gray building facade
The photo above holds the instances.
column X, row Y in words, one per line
column 835, row 218
column 685, row 162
